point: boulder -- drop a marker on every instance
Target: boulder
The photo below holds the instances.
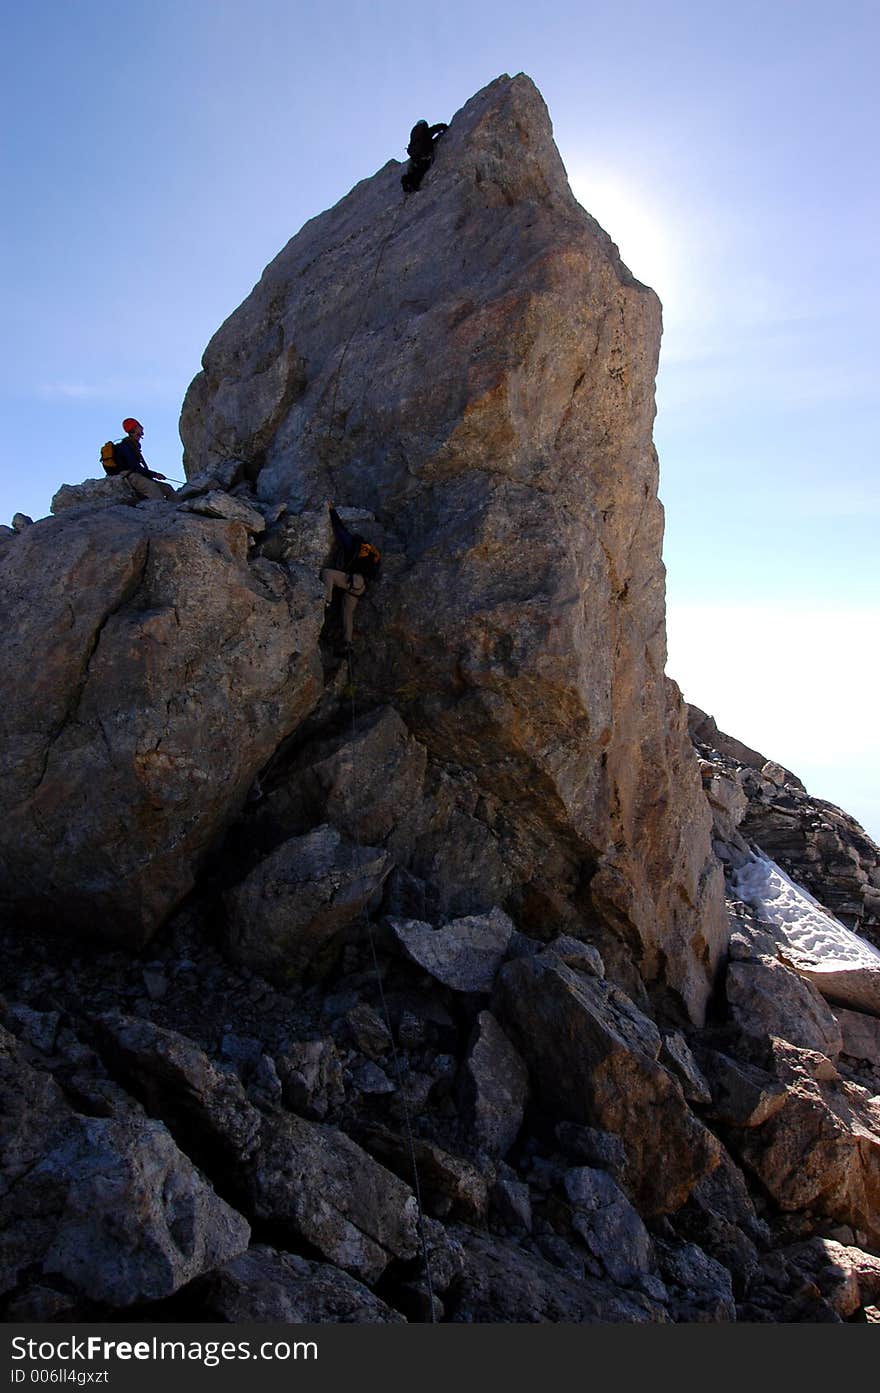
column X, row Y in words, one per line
column 502, row 1282
column 36, row 1028
column 852, row 982
column 677, row 1056
column 511, row 1202
column 742, row 1094
column 820, row 1151
column 464, row 955
column 847, row 1277
column 593, row 1056
column 720, row 1217
column 106, row 1207
column 860, row 1034
column 530, row 437
column 368, row 1031
column 451, row 1187
column 367, row 782
column 767, row 999
column 217, row 504
column 132, row 1218
column 494, row 1088
column 311, row 1078
column 110, row 492
column 604, row 1219
column 313, row 1182
column 315, row 1185
column 700, row 1288
column 593, row 1147
column 583, row 957
column 264, row 1286
column 206, row 1108
column 134, row 712
column 300, row 898
column 220, row 474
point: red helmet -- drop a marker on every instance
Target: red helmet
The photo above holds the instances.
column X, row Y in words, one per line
column 130, row 424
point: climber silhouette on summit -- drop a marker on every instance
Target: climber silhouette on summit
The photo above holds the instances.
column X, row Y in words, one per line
column 355, row 561
column 422, row 142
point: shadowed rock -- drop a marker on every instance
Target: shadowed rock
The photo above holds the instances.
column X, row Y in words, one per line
column 821, row 1149
column 108, row 1207
column 494, row 1087
column 501, row 1282
column 314, row 1184
column 299, row 899
column 593, row 1055
column 263, row 1285
column 464, row 955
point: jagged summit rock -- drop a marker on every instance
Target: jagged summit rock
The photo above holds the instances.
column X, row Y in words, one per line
column 474, row 366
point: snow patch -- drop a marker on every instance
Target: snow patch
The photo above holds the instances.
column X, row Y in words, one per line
column 812, row 935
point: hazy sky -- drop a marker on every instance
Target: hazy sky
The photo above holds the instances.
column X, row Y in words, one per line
column 158, row 155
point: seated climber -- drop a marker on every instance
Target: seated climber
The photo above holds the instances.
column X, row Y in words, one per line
column 422, row 141
column 356, row 561
column 129, row 462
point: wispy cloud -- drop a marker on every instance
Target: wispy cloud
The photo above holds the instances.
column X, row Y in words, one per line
column 110, row 390
column 72, row 391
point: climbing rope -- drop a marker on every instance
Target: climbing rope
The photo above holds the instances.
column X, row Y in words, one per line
column 398, row 1068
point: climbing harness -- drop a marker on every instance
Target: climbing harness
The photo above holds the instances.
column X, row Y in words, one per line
column 398, row 1069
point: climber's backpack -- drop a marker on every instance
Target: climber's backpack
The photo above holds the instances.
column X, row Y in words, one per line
column 369, row 561
column 108, row 458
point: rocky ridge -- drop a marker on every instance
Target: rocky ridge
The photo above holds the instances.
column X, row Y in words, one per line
column 264, row 912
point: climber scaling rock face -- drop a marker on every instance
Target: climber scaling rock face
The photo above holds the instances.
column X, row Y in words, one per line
column 475, row 367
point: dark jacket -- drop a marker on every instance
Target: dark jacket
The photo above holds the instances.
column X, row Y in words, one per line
column 348, row 545
column 422, row 138
column 127, row 454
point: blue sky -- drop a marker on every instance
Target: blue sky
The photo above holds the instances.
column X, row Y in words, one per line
column 158, row 155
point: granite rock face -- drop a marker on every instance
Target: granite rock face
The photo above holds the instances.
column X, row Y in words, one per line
column 149, row 669
column 491, row 407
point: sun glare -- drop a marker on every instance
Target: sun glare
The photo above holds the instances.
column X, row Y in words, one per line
column 643, row 236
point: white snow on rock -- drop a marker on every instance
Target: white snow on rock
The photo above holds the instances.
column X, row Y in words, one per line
column 844, row 967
